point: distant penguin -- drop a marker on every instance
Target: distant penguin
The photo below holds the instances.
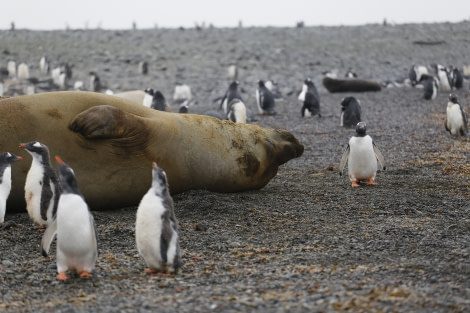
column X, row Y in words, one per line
column 11, row 66
column 273, row 87
column 350, row 112
column 264, row 100
column 42, row 187
column 232, row 72
column 148, row 97
column 231, row 93
column 95, row 82
column 456, row 78
column 158, row 101
column 311, row 99
column 430, row 87
column 6, row 159
column 44, row 65
column 443, row 77
column 350, row 74
column 237, row 111
column 415, row 73
column 184, row 108
column 143, row 68
column 456, row 118
column 182, row 93
column 156, row 228
column 361, row 155
column 77, row 247
column 23, row 71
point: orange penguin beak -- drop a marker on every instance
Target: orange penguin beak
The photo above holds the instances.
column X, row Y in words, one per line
column 59, row 160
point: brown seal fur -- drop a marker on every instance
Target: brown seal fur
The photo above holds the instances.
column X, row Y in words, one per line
column 111, row 142
column 350, row 85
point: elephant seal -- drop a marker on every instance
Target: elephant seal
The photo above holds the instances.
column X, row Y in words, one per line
column 350, row 85
column 111, row 142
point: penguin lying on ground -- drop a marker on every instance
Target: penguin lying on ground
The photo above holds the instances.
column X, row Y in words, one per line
column 456, row 119
column 77, row 247
column 42, row 187
column 415, row 73
column 361, row 155
column 6, row 159
column 156, row 229
column 350, row 112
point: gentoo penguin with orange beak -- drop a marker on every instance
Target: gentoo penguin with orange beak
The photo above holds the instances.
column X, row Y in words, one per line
column 75, row 228
column 6, row 159
column 42, row 188
column 156, row 229
column 361, row 155
column 456, row 119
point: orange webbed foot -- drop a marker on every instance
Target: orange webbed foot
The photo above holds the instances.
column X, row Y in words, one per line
column 61, row 276
column 371, row 182
column 85, row 274
column 354, row 184
column 154, row 272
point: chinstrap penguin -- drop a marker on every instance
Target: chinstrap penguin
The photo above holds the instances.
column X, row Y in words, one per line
column 350, row 112
column 42, row 187
column 6, row 159
column 264, row 100
column 156, row 229
column 77, row 247
column 361, row 155
column 456, row 119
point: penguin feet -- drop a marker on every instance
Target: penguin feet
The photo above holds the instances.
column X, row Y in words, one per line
column 371, row 182
column 153, row 272
column 85, row 274
column 62, row 276
column 354, row 184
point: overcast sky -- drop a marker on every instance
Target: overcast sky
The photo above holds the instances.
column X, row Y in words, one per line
column 57, row 14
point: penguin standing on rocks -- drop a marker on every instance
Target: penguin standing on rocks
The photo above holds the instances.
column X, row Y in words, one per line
column 443, row 76
column 95, row 82
column 77, row 247
column 456, row 77
column 231, row 93
column 237, row 111
column 361, row 155
column 309, row 99
column 456, row 119
column 264, row 100
column 415, row 73
column 158, row 101
column 6, row 159
column 350, row 112
column 156, row 229
column 42, row 188
column 430, row 87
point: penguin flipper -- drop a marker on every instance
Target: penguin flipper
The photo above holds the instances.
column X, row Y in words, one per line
column 48, row 237
column 380, row 157
column 344, row 159
column 464, row 117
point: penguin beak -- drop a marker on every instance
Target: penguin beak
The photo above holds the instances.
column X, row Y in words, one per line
column 19, row 158
column 22, row 145
column 59, row 160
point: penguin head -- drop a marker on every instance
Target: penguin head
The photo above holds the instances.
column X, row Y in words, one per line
column 8, row 158
column 68, row 181
column 453, row 98
column 36, row 149
column 158, row 96
column 361, row 129
column 159, row 180
column 234, row 85
column 261, row 83
column 149, row 91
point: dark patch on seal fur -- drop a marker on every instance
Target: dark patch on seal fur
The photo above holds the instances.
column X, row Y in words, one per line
column 54, row 113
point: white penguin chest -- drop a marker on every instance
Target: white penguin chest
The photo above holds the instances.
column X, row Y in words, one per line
column 362, row 162
column 454, row 118
column 6, row 183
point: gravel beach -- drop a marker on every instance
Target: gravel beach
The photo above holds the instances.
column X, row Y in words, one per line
column 307, row 242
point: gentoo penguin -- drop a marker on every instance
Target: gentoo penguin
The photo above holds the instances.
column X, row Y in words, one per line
column 148, row 97
column 182, row 93
column 23, row 71
column 350, row 74
column 430, row 86
column 156, row 228
column 77, row 247
column 95, row 82
column 11, row 66
column 6, row 159
column 456, row 119
column 231, row 93
column 158, row 101
column 350, row 112
column 456, row 77
column 415, row 73
column 44, row 65
column 237, row 111
column 309, row 99
column 264, row 100
column 42, row 188
column 361, row 155
column 443, row 77
column 143, row 67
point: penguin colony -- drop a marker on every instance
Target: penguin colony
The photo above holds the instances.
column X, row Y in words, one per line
column 50, row 199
